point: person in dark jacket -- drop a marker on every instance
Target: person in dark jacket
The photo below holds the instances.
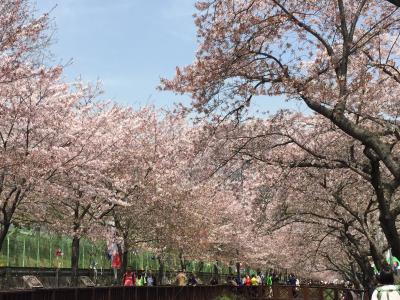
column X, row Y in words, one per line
column 192, row 280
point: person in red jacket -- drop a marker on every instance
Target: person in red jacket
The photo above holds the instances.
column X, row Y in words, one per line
column 247, row 280
column 115, row 264
column 129, row 278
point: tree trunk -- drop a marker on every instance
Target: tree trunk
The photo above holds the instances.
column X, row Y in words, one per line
column 376, row 256
column 368, row 278
column 9, row 208
column 161, row 271
column 216, row 271
column 75, row 260
column 230, row 270
column 3, row 233
column 238, row 269
column 124, row 257
column 182, row 261
column 388, row 225
column 386, row 219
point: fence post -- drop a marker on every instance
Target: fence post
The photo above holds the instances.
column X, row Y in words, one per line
column 38, row 253
column 335, row 294
column 275, row 291
column 290, row 290
column 50, row 256
column 136, row 262
column 23, row 254
column 83, row 255
column 305, row 291
column 8, row 251
column 320, row 293
column 57, row 276
column 62, row 255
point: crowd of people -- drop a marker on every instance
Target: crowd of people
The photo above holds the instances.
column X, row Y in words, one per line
column 130, row 278
column 386, row 290
column 182, row 278
column 260, row 279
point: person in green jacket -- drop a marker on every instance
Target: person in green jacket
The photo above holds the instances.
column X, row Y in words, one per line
column 268, row 280
column 140, row 280
column 268, row 283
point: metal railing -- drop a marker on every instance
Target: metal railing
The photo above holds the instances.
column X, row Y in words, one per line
column 187, row 293
column 11, row 277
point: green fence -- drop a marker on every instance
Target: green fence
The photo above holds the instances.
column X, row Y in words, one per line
column 29, row 248
column 23, row 248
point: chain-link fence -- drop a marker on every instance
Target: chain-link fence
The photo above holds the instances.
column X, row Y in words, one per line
column 32, row 248
column 25, row 248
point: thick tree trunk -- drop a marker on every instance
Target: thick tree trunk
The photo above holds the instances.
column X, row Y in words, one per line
column 238, row 269
column 3, row 233
column 9, row 207
column 75, row 260
column 388, row 224
column 386, row 219
column 161, row 271
column 367, row 279
column 124, row 257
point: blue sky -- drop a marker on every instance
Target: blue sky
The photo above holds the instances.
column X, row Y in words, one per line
column 128, row 45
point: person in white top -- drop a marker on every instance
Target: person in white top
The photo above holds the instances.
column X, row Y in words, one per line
column 259, row 280
column 387, row 290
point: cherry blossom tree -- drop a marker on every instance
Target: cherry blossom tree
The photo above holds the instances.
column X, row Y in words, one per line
column 134, row 161
column 342, row 65
column 333, row 207
column 295, row 172
column 54, row 136
column 26, row 95
column 24, row 38
column 177, row 214
column 69, row 195
column 105, row 178
column 150, row 170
